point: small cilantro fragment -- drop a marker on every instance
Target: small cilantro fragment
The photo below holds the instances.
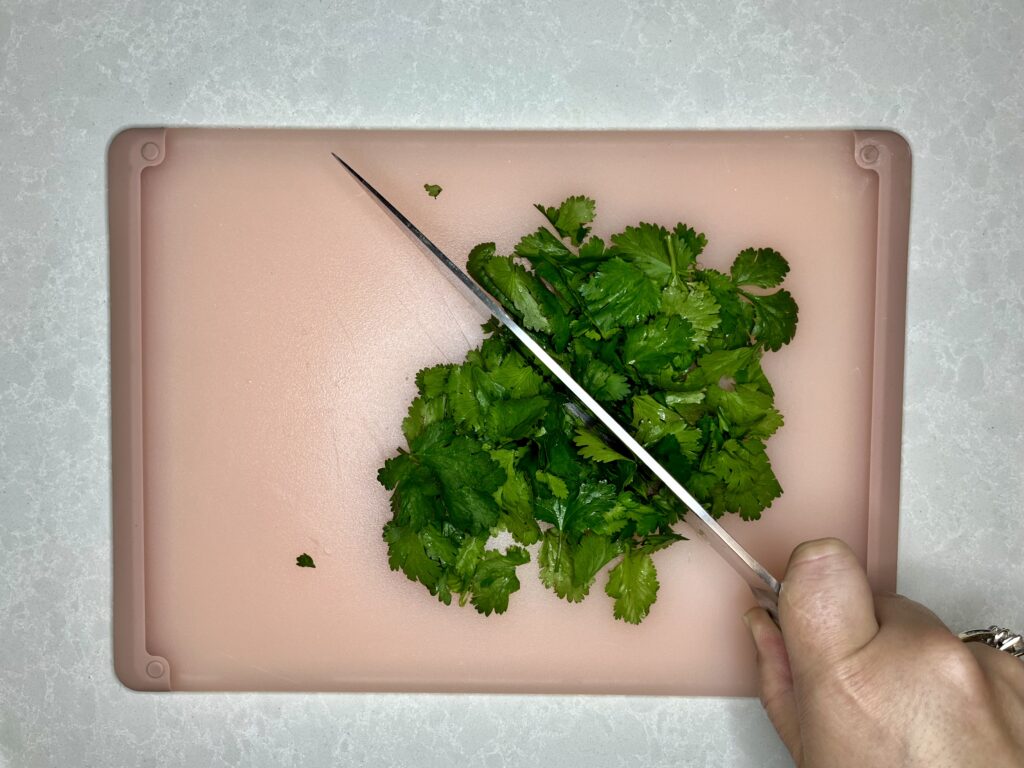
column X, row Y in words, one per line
column 671, row 348
column 305, row 561
column 433, row 189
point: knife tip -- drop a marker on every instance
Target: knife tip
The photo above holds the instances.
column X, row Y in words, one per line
column 346, row 166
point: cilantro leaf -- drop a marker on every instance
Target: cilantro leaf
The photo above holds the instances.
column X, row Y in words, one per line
column 730, row 364
column 416, row 490
column 736, row 317
column 592, row 553
column 568, row 566
column 432, row 189
column 466, row 397
column 543, row 247
column 629, row 515
column 515, row 499
column 592, row 253
column 600, row 377
column 571, row 217
column 430, row 382
column 511, row 284
column 645, row 246
column 737, row 478
column 663, row 342
column 519, row 291
column 509, row 420
column 633, row 583
column 495, row 579
column 663, row 256
column 654, row 421
column 601, row 380
column 580, row 510
column 407, row 553
column 467, row 558
column 774, row 318
column 689, row 243
column 517, row 378
column 467, row 479
column 554, row 483
column 657, row 542
column 762, row 267
column 591, row 446
column 305, row 561
column 438, row 544
column 745, row 410
column 695, row 303
column 423, row 412
column 619, row 295
column 555, row 264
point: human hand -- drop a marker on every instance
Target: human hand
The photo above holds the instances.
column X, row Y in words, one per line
column 861, row 681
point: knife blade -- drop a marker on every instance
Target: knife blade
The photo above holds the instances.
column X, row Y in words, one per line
column 762, row 583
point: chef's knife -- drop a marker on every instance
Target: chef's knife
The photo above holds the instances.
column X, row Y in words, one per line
column 764, row 586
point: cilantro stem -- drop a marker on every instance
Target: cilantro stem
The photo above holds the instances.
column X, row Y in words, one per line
column 672, row 258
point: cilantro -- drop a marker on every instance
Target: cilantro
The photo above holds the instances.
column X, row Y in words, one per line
column 569, row 219
column 432, row 189
column 495, row 579
column 569, row 565
column 737, row 478
column 774, row 318
column 665, row 342
column 515, row 498
column 619, row 295
column 695, row 303
column 672, row 349
column 634, row 585
column 520, row 291
column 762, row 267
column 305, row 561
column 601, row 380
column 662, row 255
column 406, row 552
column 654, row 421
column 591, row 446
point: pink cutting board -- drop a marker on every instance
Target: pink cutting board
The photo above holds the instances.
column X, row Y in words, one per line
column 267, row 322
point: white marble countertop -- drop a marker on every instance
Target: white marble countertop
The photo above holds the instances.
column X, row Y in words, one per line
column 948, row 75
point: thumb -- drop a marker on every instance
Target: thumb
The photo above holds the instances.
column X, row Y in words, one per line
column 826, row 608
column 774, row 681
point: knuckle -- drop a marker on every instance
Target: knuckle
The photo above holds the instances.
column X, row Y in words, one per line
column 999, row 666
column 947, row 656
column 934, row 654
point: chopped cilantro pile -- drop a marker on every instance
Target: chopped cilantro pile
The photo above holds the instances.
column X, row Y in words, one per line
column 671, row 348
column 433, row 189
